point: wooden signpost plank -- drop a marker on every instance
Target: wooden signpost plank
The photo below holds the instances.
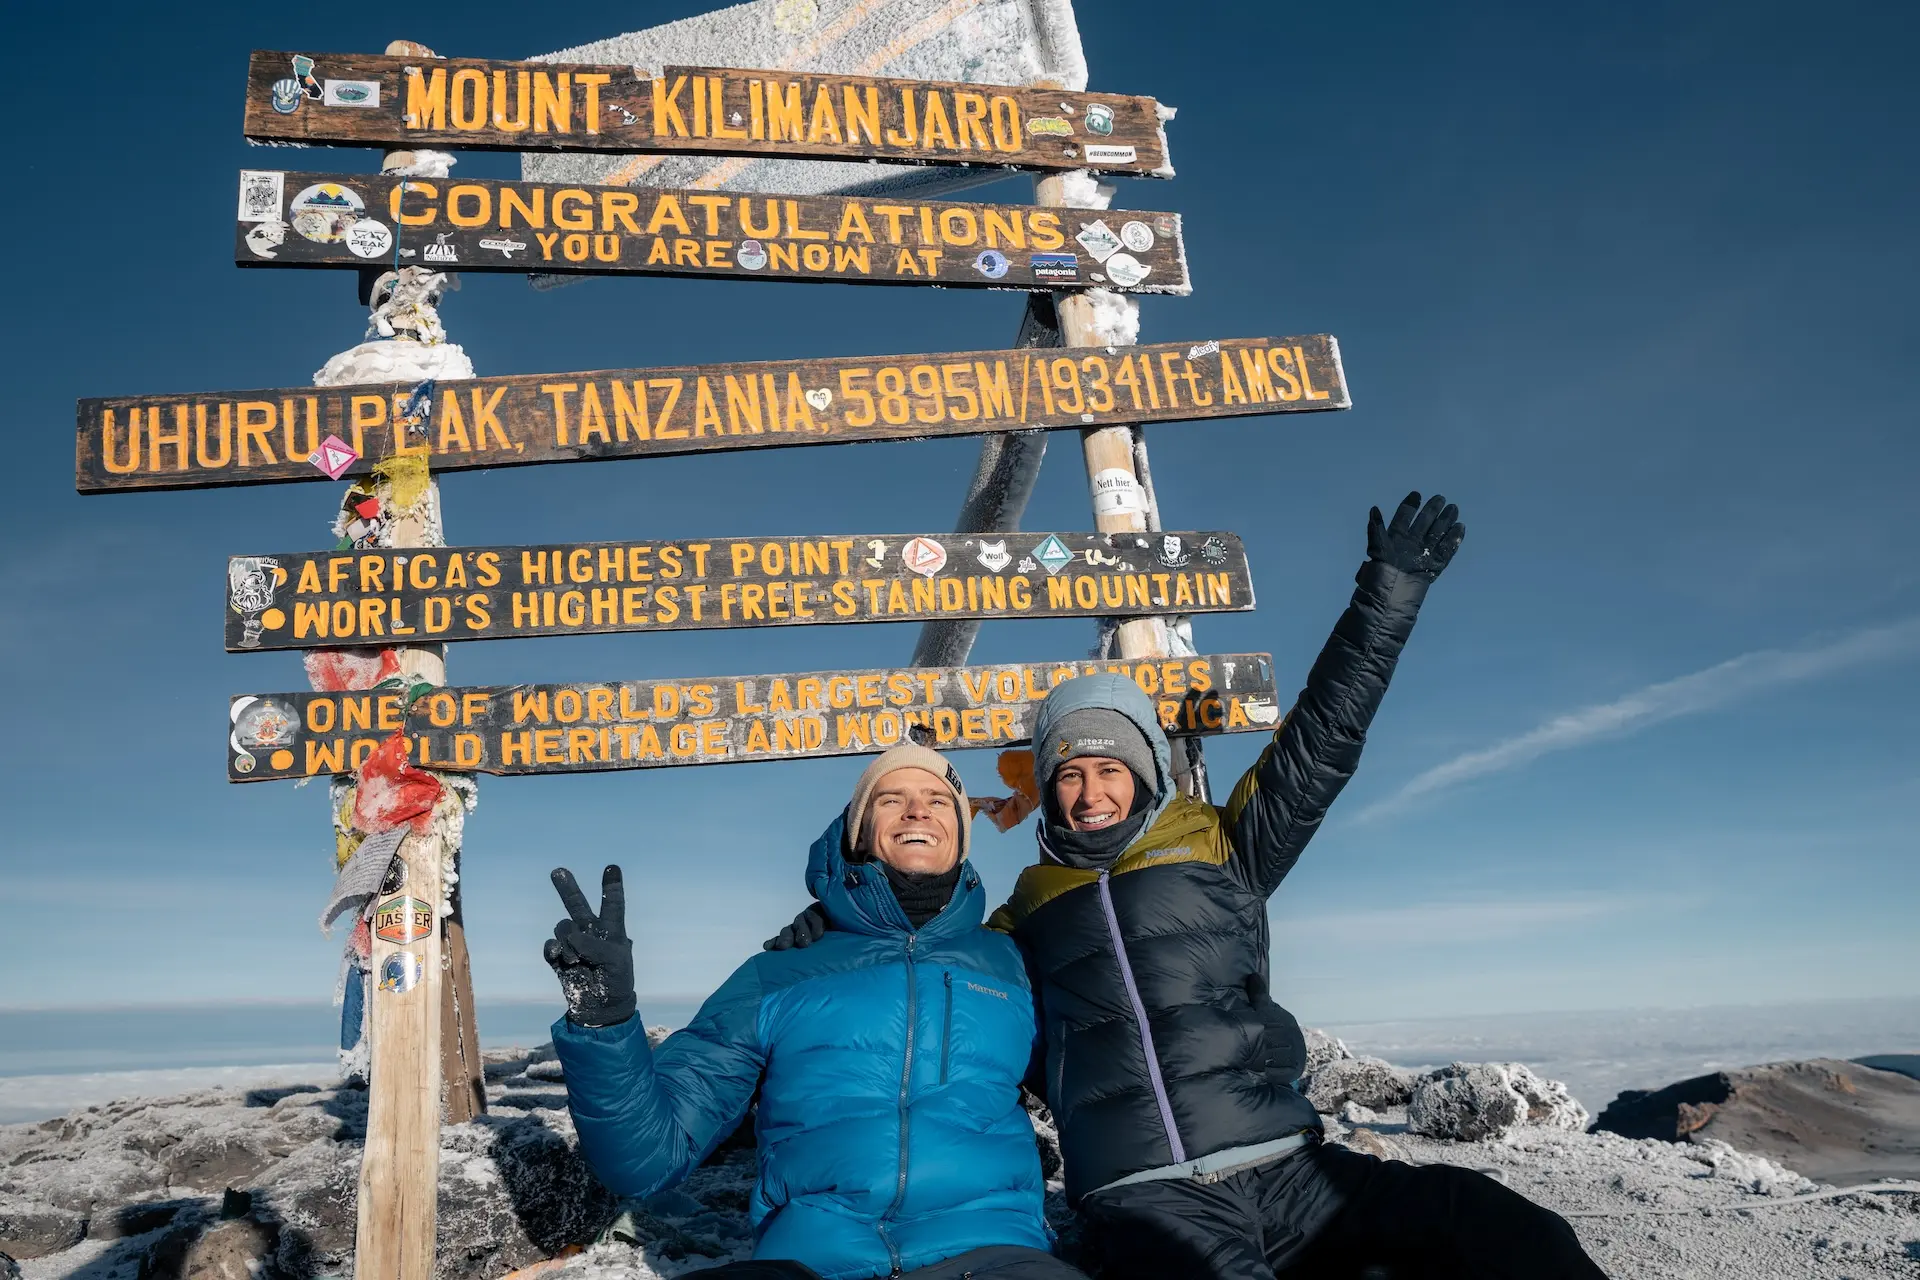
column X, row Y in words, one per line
column 366, row 99
column 354, row 220
column 645, row 724
column 380, row 596
column 193, row 440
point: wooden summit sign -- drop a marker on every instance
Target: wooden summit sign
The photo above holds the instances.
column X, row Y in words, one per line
column 322, row 599
column 369, row 99
column 249, row 437
column 359, row 220
column 645, row 724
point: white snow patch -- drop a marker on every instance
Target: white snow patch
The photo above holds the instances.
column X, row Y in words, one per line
column 395, row 362
column 1081, row 190
column 1115, row 318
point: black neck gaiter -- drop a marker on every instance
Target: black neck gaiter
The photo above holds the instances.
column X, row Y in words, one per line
column 922, row 894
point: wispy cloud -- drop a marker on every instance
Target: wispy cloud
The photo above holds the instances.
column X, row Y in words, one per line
column 1717, row 686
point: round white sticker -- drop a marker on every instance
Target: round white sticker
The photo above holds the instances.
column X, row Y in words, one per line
column 1137, row 236
column 369, row 239
column 1126, row 270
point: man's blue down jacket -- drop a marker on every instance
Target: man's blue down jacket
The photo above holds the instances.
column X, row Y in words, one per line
column 888, row 1064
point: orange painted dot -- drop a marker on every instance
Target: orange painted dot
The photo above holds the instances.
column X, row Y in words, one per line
column 281, row 759
column 273, row 619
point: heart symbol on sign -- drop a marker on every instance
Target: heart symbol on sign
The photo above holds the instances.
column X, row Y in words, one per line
column 820, row 398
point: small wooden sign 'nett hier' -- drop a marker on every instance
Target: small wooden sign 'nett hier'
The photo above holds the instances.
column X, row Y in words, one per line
column 646, row 724
column 321, row 599
column 368, row 99
column 249, row 437
column 357, row 220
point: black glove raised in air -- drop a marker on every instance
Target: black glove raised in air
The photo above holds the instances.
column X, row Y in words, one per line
column 1420, row 540
column 807, row 928
column 592, row 953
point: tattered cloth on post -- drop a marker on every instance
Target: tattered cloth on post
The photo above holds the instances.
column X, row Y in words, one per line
column 407, row 474
column 360, row 879
column 1008, row 812
column 392, row 793
column 344, row 670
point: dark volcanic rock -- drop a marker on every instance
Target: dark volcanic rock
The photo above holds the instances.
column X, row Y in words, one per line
column 30, row 1230
column 1658, row 1113
column 1834, row 1121
column 1906, row 1064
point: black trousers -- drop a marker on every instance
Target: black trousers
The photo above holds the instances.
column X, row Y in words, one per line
column 1329, row 1212
column 1001, row 1262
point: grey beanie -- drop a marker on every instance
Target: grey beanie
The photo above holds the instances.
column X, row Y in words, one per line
column 1094, row 731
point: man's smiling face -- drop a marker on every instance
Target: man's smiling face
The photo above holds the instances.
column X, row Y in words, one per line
column 912, row 822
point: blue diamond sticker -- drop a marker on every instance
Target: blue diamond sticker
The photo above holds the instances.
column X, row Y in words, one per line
column 1053, row 555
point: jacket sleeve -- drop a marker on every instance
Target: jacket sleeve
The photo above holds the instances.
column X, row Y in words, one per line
column 1279, row 803
column 647, row 1118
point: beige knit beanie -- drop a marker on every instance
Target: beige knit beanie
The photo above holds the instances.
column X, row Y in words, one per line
column 907, row 755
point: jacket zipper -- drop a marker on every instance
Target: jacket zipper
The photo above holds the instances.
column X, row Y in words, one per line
column 1140, row 1019
column 906, row 1111
column 946, row 1029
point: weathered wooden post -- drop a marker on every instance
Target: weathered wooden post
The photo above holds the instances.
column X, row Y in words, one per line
column 419, row 1026
column 1123, row 500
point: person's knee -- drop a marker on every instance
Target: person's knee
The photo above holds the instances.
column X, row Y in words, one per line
column 1475, row 1199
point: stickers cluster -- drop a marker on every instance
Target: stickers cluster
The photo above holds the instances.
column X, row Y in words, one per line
column 304, row 86
column 1098, row 123
column 927, row 557
column 324, row 213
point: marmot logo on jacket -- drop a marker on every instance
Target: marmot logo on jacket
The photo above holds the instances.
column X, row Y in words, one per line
column 986, row 991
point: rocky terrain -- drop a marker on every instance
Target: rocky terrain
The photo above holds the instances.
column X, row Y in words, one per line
column 233, row 1184
column 1836, row 1121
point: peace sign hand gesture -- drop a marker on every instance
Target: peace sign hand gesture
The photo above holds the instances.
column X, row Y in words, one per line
column 591, row 953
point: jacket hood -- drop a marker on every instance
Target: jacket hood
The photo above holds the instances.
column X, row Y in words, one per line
column 858, row 898
column 1112, row 692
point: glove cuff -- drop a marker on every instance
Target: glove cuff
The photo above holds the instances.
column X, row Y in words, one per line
column 1392, row 584
column 602, row 1016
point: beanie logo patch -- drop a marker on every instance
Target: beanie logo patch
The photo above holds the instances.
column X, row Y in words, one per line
column 1088, row 746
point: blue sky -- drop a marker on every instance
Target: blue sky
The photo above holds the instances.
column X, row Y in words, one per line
column 1632, row 283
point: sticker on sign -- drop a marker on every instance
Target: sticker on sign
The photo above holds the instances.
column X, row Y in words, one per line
column 333, row 456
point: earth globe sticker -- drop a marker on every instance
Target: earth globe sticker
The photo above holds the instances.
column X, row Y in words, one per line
column 991, row 263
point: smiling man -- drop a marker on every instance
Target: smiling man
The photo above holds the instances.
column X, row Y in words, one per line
column 887, row 1057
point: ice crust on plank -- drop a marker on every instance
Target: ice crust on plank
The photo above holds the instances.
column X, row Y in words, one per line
column 1008, row 42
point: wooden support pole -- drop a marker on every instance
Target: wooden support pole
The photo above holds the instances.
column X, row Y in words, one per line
column 1116, row 455
column 419, row 1022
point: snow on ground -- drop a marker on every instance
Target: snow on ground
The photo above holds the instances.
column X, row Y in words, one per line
column 139, row 1190
column 1668, row 1211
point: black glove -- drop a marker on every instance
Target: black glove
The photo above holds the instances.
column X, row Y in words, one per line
column 1421, row 540
column 592, row 954
column 807, row 928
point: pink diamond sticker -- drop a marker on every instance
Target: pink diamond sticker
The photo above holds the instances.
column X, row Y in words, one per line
column 924, row 556
column 334, row 456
